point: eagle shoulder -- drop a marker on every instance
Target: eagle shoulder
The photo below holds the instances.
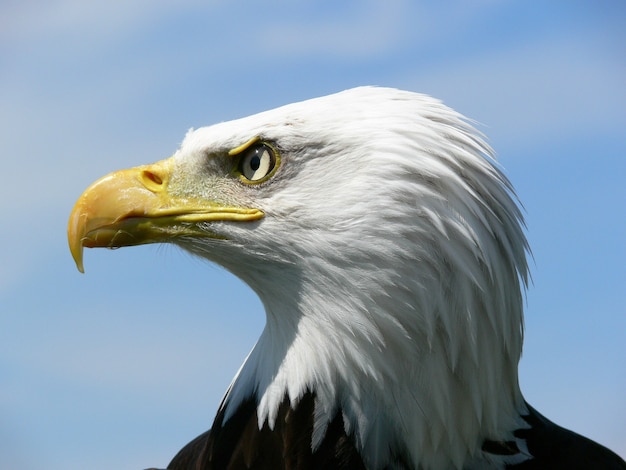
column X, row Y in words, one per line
column 554, row 447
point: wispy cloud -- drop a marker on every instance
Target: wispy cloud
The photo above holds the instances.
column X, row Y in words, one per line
column 366, row 30
column 542, row 90
column 39, row 20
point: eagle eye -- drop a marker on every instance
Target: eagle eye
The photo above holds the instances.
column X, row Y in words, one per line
column 257, row 162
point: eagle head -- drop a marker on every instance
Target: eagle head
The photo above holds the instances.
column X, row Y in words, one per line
column 386, row 246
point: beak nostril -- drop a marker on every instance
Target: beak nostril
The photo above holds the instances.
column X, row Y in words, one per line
column 153, row 177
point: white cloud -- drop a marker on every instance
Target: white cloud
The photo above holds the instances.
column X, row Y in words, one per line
column 37, row 20
column 366, row 30
column 543, row 90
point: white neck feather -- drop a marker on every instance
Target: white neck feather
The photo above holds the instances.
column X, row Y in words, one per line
column 433, row 393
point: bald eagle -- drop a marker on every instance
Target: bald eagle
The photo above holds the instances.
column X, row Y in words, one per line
column 388, row 250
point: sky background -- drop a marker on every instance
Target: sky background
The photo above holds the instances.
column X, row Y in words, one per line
column 122, row 366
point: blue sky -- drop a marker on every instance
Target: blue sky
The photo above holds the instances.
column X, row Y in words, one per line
column 122, row 366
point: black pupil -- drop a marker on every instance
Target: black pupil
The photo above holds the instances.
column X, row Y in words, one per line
column 255, row 162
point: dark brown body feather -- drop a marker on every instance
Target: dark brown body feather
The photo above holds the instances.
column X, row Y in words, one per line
column 239, row 444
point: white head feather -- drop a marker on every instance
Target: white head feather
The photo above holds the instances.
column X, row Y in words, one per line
column 390, row 263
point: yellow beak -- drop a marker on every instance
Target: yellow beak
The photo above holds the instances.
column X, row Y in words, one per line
column 133, row 207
